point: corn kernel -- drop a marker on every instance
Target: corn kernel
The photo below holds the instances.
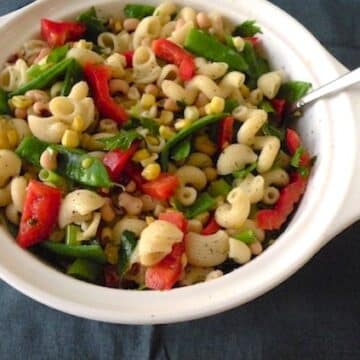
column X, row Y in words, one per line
column 141, row 155
column 86, row 163
column 203, row 144
column 216, row 105
column 112, row 253
column 245, row 91
column 83, row 44
column 191, row 113
column 166, row 132
column 152, row 140
column 211, row 173
column 239, row 43
column 151, row 172
column 149, row 160
column 147, row 101
column 21, row 102
column 182, row 124
column 166, row 117
column 70, row 139
column 149, row 220
column 78, row 123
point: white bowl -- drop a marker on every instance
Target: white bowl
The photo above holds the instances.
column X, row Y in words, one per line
column 329, row 205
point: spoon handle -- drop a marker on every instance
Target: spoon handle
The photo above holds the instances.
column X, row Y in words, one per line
column 351, row 78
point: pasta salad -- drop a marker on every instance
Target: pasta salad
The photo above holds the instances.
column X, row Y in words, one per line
column 150, row 150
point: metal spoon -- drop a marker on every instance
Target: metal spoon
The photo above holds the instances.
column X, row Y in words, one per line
column 351, row 78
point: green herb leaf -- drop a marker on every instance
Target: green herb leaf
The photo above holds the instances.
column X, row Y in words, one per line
column 230, row 105
column 295, row 160
column 293, row 91
column 128, row 245
column 148, row 123
column 57, row 54
column 247, row 29
column 122, row 140
column 266, row 106
column 181, row 151
column 203, row 203
column 243, row 173
column 271, row 130
column 94, row 26
column 248, row 237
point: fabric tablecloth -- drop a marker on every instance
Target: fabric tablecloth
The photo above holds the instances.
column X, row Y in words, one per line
column 313, row 315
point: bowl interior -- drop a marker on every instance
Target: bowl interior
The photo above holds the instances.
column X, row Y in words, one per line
column 325, row 128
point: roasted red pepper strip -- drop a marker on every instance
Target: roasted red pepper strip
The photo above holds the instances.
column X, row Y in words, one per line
column 58, row 33
column 176, row 218
column 293, row 143
column 162, row 188
column 226, row 127
column 98, row 77
column 40, row 215
column 211, row 227
column 273, row 219
column 129, row 58
column 174, row 54
column 115, row 161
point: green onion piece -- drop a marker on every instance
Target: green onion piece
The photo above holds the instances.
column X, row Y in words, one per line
column 181, row 151
column 243, row 173
column 207, row 46
column 72, row 232
column 52, row 178
column 230, row 105
column 90, row 252
column 85, row 270
column 57, row 54
column 248, row 237
column 202, row 204
column 4, row 105
column 270, row 130
column 295, row 160
column 73, row 75
column 219, row 188
column 128, row 245
column 138, row 11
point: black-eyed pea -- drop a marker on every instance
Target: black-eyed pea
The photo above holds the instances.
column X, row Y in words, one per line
column 256, row 248
column 131, row 204
column 48, row 160
column 130, row 24
column 107, row 212
column 130, row 187
column 148, row 203
column 203, row 20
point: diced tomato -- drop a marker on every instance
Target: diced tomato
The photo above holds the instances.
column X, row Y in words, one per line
column 40, row 215
column 293, row 142
column 58, row 33
column 226, row 128
column 162, row 188
column 174, row 54
column 129, row 58
column 115, row 161
column 166, row 273
column 279, row 106
column 211, row 227
column 111, row 276
column 176, row 218
column 254, row 40
column 98, row 77
column 273, row 219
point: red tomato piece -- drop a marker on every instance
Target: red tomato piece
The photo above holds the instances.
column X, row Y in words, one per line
column 226, row 128
column 111, row 276
column 176, row 218
column 40, row 215
column 58, row 33
column 293, row 142
column 162, row 188
column 98, row 77
column 174, row 54
column 273, row 219
column 254, row 40
column 279, row 106
column 129, row 58
column 167, row 272
column 116, row 160
column 211, row 227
